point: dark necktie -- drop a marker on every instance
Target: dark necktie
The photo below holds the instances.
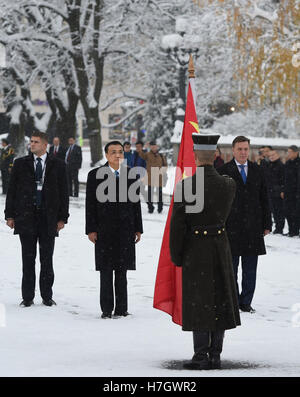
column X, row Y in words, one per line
column 117, row 174
column 38, row 180
column 243, row 173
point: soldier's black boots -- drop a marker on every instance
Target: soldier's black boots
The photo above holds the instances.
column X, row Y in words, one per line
column 208, row 348
column 201, row 348
column 215, row 349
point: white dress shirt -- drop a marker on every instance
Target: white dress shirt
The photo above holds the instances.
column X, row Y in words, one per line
column 113, row 171
column 245, row 166
column 43, row 158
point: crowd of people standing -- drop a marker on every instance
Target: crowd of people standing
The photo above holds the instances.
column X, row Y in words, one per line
column 283, row 186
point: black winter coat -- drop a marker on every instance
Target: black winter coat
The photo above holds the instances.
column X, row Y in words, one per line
column 74, row 161
column 250, row 213
column 61, row 154
column 275, row 183
column 292, row 180
column 21, row 195
column 209, row 296
column 115, row 222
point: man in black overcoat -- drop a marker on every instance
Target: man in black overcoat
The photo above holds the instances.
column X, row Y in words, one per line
column 292, row 191
column 275, row 185
column 57, row 150
column 199, row 243
column 250, row 217
column 37, row 205
column 114, row 225
column 73, row 159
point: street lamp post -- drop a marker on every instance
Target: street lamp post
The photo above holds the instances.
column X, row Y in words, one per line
column 179, row 47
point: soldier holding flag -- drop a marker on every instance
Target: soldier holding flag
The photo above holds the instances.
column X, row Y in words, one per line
column 199, row 244
column 199, row 292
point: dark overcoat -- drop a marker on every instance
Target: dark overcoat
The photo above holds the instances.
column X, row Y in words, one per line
column 61, row 153
column 250, row 213
column 74, row 161
column 115, row 223
column 21, row 195
column 292, row 179
column 275, row 183
column 209, row 296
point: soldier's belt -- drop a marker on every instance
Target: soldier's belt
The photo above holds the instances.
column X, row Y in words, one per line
column 207, row 230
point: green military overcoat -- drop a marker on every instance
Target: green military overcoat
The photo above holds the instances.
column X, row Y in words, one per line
column 209, row 296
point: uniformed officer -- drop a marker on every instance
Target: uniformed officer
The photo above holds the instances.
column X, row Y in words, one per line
column 199, row 243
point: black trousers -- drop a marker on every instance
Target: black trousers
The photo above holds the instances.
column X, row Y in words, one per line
column 151, row 196
column 29, row 249
column 249, row 266
column 110, row 299
column 73, row 182
column 5, row 180
column 278, row 212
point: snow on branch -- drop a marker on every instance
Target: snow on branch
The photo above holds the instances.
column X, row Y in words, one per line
column 119, row 96
column 43, row 4
column 136, row 110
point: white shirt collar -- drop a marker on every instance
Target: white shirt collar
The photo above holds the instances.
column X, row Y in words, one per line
column 43, row 157
column 237, row 163
column 113, row 171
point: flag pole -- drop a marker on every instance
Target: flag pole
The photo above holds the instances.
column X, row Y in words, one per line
column 191, row 68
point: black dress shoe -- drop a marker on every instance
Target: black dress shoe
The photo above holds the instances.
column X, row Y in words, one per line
column 278, row 231
column 247, row 308
column 123, row 314
column 106, row 315
column 26, row 303
column 49, row 302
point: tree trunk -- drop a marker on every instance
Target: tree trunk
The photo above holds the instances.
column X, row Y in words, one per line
column 94, row 128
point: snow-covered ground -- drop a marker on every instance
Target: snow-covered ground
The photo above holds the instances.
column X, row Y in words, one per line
column 70, row 339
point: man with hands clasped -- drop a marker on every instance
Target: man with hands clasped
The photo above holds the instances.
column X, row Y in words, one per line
column 37, row 205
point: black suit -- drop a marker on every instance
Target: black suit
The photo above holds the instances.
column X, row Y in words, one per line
column 116, row 224
column 73, row 159
column 60, row 153
column 34, row 223
column 292, row 195
column 249, row 217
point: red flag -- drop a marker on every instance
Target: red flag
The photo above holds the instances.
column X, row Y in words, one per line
column 168, row 285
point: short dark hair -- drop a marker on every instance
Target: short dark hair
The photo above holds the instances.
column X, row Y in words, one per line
column 112, row 143
column 139, row 143
column 126, row 143
column 5, row 141
column 240, row 138
column 294, row 148
column 270, row 147
column 39, row 134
